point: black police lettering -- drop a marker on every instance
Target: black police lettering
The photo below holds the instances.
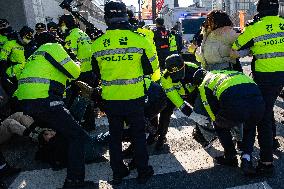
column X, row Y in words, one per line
column 269, row 27
column 106, row 42
column 281, row 26
column 116, row 58
column 123, row 41
column 274, row 41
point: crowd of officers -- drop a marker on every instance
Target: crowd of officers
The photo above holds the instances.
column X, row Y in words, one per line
column 141, row 74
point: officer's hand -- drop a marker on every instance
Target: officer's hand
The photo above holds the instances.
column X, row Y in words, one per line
column 200, row 119
column 86, row 90
column 234, row 54
column 186, row 110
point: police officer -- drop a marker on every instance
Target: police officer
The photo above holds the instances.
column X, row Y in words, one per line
column 164, row 44
column 39, row 28
column 230, row 99
column 12, row 61
column 30, row 46
column 176, row 82
column 122, row 58
column 178, row 38
column 264, row 37
column 40, row 94
column 4, row 24
column 52, row 27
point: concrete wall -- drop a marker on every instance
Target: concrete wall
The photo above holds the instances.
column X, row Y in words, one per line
column 13, row 11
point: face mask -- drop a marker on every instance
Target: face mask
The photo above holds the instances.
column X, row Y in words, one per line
column 63, row 29
column 26, row 41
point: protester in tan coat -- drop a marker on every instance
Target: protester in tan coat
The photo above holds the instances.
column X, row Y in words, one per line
column 17, row 123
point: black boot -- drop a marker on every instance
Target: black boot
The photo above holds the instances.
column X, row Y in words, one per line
column 145, row 175
column 247, row 167
column 265, row 170
column 118, row 176
column 228, row 161
column 8, row 171
column 71, row 184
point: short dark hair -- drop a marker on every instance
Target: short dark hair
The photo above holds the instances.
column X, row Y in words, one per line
column 160, row 21
column 217, row 19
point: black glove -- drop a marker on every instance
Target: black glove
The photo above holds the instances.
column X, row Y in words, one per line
column 186, row 110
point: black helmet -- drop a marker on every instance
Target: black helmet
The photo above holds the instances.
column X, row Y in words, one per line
column 175, row 67
column 115, row 12
column 69, row 21
column 46, row 37
column 198, row 76
column 160, row 21
column 26, row 31
column 4, row 23
column 267, row 5
column 40, row 26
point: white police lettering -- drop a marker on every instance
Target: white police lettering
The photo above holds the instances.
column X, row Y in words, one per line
column 118, row 57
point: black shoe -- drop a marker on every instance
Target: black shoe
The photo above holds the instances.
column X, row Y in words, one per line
column 247, row 167
column 151, row 139
column 222, row 160
column 128, row 152
column 198, row 136
column 9, row 171
column 118, row 176
column 160, row 143
column 145, row 175
column 71, row 184
column 3, row 186
column 276, row 144
column 265, row 170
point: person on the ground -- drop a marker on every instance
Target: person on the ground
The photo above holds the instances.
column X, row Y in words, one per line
column 40, row 94
column 122, row 58
column 263, row 36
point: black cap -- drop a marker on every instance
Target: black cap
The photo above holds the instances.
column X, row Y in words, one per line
column 160, row 21
column 40, row 26
column 52, row 26
column 198, row 76
column 69, row 20
column 115, row 12
column 175, row 67
column 46, row 37
column 267, row 5
column 26, row 31
column 4, row 23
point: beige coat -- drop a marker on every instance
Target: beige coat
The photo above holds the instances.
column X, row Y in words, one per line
column 215, row 48
column 14, row 124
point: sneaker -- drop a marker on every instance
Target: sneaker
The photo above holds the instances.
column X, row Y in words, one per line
column 160, row 143
column 9, row 171
column 118, row 176
column 265, row 170
column 247, row 167
column 222, row 160
column 145, row 175
column 71, row 184
column 276, row 144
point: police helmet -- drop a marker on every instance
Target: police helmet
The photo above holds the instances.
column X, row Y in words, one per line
column 115, row 12
column 40, row 26
column 69, row 21
column 267, row 5
column 4, row 23
column 198, row 76
column 46, row 37
column 175, row 67
column 26, row 31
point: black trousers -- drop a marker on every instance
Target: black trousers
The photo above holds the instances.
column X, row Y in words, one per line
column 132, row 112
column 59, row 119
column 2, row 159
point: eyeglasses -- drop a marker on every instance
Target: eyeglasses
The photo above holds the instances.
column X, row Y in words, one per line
column 176, row 69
